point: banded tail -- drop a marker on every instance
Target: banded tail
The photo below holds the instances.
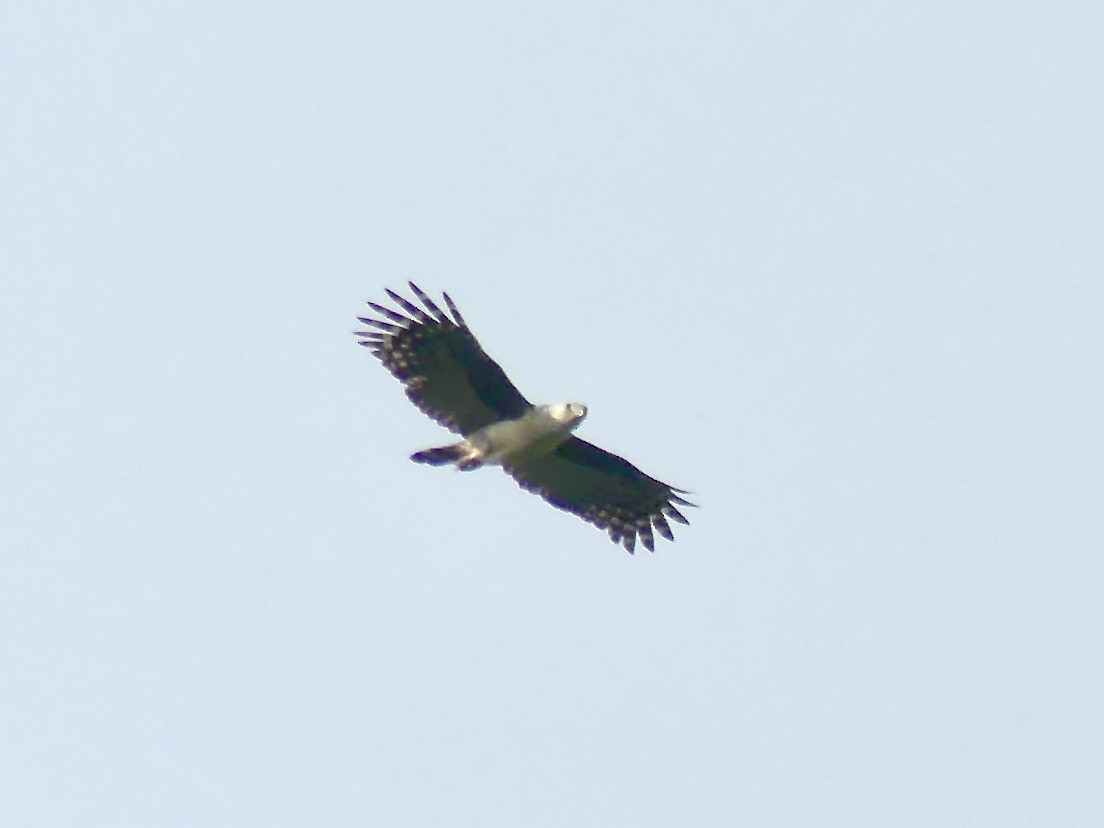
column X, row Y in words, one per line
column 457, row 453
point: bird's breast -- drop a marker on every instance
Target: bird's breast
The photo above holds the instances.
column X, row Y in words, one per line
column 528, row 436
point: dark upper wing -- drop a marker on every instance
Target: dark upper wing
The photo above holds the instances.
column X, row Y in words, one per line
column 603, row 489
column 446, row 374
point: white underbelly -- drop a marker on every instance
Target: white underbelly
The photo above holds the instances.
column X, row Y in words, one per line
column 514, row 439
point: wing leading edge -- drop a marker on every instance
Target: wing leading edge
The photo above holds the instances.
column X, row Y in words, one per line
column 447, row 374
column 605, row 490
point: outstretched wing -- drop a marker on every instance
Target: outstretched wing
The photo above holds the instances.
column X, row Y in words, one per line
column 603, row 489
column 446, row 374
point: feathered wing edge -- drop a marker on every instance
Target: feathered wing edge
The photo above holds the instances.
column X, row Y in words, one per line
column 605, row 490
column 476, row 393
column 373, row 340
column 642, row 525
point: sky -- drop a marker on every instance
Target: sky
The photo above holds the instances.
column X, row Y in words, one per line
column 837, row 268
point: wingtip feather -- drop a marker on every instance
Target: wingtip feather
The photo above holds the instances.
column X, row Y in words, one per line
column 455, row 311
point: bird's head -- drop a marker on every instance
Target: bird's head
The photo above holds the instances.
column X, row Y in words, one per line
column 570, row 414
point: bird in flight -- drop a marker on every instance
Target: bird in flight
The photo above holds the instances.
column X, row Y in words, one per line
column 451, row 379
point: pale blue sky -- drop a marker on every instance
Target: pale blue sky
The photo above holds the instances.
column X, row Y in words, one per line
column 836, row 267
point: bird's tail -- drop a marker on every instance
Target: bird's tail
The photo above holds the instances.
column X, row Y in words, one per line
column 439, row 456
column 457, row 453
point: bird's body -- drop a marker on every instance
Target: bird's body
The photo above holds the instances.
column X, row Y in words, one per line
column 449, row 377
column 537, row 432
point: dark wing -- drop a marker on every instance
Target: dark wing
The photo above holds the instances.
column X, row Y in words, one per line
column 446, row 374
column 603, row 489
